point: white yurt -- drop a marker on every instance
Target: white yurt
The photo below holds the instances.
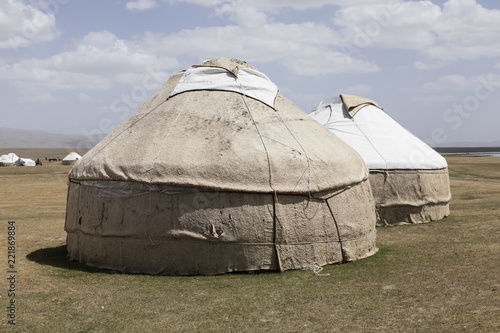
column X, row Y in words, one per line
column 409, row 179
column 218, row 172
column 25, row 162
column 8, row 159
column 71, row 158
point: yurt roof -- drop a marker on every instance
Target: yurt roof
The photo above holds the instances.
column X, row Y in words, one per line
column 380, row 140
column 9, row 158
column 223, row 125
column 25, row 162
column 72, row 156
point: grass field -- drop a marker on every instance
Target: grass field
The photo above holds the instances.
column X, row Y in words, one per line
column 442, row 276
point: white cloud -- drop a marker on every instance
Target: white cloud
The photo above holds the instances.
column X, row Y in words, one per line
column 457, row 88
column 358, row 90
column 467, row 31
column 82, row 97
column 42, row 73
column 304, row 49
column 103, row 54
column 99, row 61
column 254, row 13
column 23, row 25
column 267, row 5
column 428, row 65
column 141, row 4
column 433, row 100
column 455, row 82
column 326, row 63
column 245, row 14
column 39, row 97
column 460, row 30
column 400, row 24
column 265, row 42
column 460, row 84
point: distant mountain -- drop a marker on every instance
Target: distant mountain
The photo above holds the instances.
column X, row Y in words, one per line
column 20, row 138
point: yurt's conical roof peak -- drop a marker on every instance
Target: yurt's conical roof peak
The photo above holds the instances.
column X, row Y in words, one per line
column 382, row 142
column 207, row 127
column 354, row 103
column 230, row 64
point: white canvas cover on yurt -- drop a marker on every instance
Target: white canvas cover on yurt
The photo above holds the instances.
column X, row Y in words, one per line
column 409, row 179
column 71, row 158
column 218, row 172
column 25, row 162
column 8, row 159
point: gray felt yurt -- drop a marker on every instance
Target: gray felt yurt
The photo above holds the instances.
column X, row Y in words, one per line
column 25, row 162
column 218, row 172
column 409, row 179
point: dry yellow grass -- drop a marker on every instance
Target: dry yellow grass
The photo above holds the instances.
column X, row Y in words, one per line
column 437, row 277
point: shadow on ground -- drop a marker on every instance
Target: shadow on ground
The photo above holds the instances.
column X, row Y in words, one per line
column 58, row 257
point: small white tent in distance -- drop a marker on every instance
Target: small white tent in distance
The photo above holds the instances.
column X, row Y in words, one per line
column 409, row 179
column 71, row 158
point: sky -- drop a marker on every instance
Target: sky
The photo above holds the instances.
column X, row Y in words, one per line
column 82, row 67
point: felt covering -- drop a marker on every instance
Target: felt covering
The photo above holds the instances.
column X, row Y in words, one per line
column 208, row 181
column 410, row 196
column 355, row 103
